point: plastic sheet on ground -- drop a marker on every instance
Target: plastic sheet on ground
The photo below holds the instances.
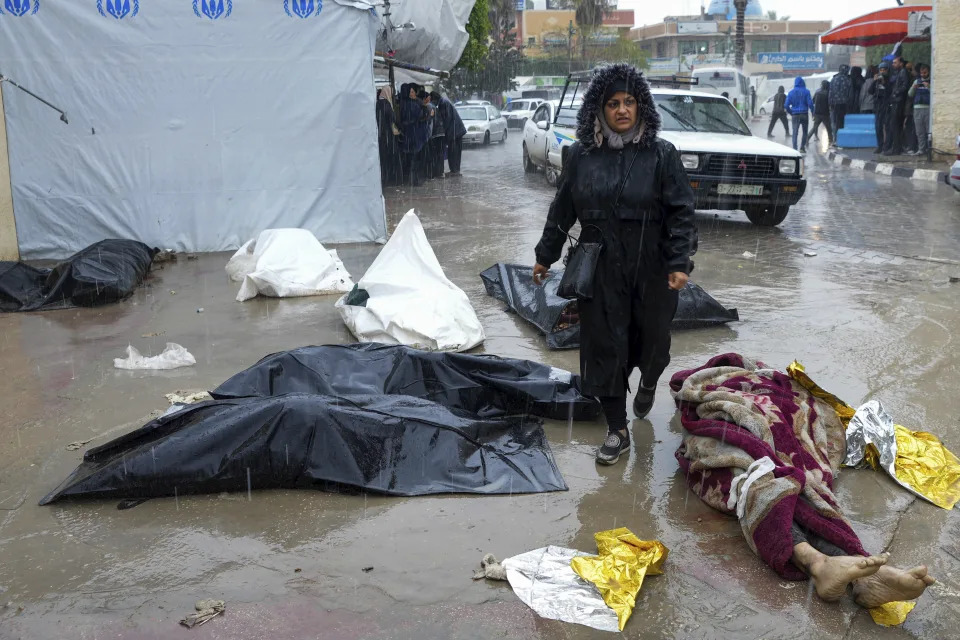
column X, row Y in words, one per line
column 892, row 614
column 172, row 357
column 557, row 318
column 485, row 385
column 287, row 263
column 104, row 272
column 406, row 298
column 396, row 445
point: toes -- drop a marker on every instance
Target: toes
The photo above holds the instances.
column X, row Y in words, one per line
column 918, row 572
column 928, row 580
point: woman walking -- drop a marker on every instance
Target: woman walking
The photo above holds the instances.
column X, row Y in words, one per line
column 622, row 179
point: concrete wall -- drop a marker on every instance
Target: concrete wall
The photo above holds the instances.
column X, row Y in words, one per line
column 946, row 69
column 9, row 249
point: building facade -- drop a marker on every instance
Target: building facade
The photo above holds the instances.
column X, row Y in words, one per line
column 549, row 32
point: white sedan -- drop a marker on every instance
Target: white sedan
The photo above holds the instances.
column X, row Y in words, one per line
column 518, row 111
column 484, row 124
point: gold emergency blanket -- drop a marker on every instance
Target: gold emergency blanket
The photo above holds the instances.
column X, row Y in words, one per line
column 799, row 374
column 892, row 614
column 619, row 569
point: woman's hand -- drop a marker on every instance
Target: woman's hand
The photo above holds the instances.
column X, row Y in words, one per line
column 540, row 272
column 677, row 280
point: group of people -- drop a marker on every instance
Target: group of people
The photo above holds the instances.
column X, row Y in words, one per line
column 417, row 135
column 896, row 92
column 626, row 185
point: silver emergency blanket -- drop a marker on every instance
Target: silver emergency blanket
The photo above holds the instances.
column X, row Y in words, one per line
column 545, row 582
column 439, row 37
column 193, row 125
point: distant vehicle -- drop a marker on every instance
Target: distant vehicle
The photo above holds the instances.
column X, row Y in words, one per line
column 767, row 106
column 473, row 102
column 955, row 169
column 483, row 122
column 728, row 167
column 720, row 80
column 518, row 111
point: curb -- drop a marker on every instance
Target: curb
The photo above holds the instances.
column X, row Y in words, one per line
column 888, row 169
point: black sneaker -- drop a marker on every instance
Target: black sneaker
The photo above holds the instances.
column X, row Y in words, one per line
column 643, row 401
column 615, row 444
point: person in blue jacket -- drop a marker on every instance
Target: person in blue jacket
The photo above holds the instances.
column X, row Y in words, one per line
column 799, row 105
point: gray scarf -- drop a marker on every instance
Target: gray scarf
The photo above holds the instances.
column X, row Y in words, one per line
column 616, row 140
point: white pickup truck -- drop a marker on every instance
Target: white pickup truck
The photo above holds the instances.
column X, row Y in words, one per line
column 728, row 167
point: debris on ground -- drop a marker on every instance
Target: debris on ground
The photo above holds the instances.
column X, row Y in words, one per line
column 153, row 334
column 367, row 569
column 748, row 255
column 79, row 444
column 164, row 256
column 809, row 253
column 172, row 357
column 188, row 397
column 207, row 610
column 405, row 298
column 490, row 568
column 287, row 263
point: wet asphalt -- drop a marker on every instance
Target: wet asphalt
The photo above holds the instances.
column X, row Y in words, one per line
column 871, row 316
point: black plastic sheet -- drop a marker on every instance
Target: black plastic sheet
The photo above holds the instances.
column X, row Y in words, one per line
column 397, row 445
column 104, row 272
column 558, row 319
column 484, row 385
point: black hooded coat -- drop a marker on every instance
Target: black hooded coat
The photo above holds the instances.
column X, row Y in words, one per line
column 650, row 234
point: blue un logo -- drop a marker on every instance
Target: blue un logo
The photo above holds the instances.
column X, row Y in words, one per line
column 302, row 8
column 118, row 9
column 20, row 7
column 213, row 9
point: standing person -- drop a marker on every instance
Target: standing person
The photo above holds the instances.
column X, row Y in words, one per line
column 627, row 183
column 920, row 93
column 799, row 104
column 453, row 129
column 856, row 81
column 821, row 111
column 899, row 86
column 867, row 91
column 413, row 124
column 840, row 88
column 779, row 113
column 426, row 159
column 909, row 129
column 439, row 139
column 753, row 101
column 881, row 104
column 391, row 172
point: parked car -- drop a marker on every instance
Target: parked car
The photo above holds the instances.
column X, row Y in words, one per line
column 472, row 102
column 728, row 167
column 543, row 142
column 484, row 123
column 517, row 112
column 955, row 169
column 767, row 106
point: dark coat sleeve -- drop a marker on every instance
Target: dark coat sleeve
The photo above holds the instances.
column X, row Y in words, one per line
column 676, row 197
column 562, row 213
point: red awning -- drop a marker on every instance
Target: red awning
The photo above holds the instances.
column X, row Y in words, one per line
column 888, row 26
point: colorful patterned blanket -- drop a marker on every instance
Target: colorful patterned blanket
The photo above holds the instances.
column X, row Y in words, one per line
column 760, row 446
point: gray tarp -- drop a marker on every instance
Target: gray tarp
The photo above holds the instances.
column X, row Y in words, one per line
column 440, row 35
column 191, row 127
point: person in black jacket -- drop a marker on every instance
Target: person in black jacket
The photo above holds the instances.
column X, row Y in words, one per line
column 779, row 112
column 841, row 87
column 391, row 172
column 899, row 87
column 821, row 111
column 626, row 183
column 454, row 131
column 881, row 102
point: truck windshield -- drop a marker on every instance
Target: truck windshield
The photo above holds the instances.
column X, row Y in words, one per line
column 699, row 113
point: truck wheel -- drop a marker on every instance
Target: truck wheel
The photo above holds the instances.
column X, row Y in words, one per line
column 486, row 138
column 767, row 216
column 528, row 165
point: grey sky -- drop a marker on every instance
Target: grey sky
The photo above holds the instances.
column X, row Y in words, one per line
column 648, row 12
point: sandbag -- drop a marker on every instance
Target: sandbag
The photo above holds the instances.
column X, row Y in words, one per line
column 558, row 318
column 104, row 272
column 404, row 298
column 287, row 263
column 484, row 385
column 396, row 445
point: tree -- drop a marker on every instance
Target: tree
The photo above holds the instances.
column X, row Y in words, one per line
column 589, row 15
column 503, row 19
column 741, row 6
column 478, row 30
column 624, row 50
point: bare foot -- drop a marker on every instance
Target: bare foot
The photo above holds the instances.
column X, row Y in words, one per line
column 831, row 575
column 890, row 584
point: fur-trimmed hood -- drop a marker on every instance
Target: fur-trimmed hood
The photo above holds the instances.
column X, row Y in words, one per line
column 592, row 106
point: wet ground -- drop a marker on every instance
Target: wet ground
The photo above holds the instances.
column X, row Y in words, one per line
column 872, row 316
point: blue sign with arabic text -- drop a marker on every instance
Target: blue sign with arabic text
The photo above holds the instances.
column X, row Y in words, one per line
column 792, row 60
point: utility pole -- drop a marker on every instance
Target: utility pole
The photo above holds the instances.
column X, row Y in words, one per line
column 741, row 7
column 570, row 33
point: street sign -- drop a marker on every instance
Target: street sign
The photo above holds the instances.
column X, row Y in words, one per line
column 792, row 60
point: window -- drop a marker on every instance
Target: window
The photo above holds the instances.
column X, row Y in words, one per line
column 532, row 41
column 699, row 113
column 720, row 46
column 472, row 113
column 517, row 105
column 542, row 114
column 693, row 47
column 765, row 46
column 661, row 49
column 494, row 113
column 802, row 44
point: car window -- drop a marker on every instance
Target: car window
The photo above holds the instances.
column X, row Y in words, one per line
column 699, row 113
column 494, row 112
column 542, row 114
column 517, row 105
column 472, row 113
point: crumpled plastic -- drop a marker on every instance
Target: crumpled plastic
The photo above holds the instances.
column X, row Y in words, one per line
column 618, row 571
column 490, row 568
column 207, row 610
column 799, row 374
column 172, row 357
column 892, row 614
column 916, row 460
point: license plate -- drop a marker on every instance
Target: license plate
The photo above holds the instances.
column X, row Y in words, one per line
column 740, row 189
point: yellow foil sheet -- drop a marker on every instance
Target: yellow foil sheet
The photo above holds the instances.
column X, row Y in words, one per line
column 619, row 569
column 927, row 466
column 799, row 374
column 892, row 613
